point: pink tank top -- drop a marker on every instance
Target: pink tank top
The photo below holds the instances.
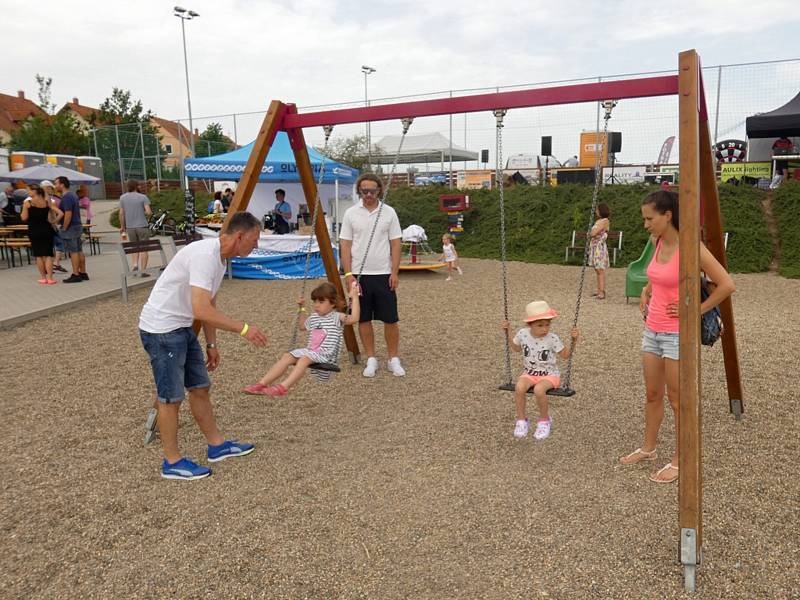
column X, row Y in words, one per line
column 664, row 281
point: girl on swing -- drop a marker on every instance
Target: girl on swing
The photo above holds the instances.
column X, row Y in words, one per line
column 326, row 327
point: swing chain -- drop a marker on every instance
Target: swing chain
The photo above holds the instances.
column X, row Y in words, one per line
column 406, row 121
column 328, row 129
column 499, row 115
column 608, row 106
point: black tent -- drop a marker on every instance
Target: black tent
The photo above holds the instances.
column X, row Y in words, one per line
column 783, row 121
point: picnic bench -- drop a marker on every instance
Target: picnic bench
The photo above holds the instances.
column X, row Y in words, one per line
column 126, row 248
column 578, row 242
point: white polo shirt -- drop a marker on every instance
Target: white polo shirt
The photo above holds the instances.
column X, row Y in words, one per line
column 357, row 226
column 169, row 306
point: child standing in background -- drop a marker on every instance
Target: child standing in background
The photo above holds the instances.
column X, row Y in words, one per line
column 450, row 256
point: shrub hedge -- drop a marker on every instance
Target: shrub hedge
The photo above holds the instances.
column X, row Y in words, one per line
column 539, row 221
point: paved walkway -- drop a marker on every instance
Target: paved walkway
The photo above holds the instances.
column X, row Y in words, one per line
column 23, row 299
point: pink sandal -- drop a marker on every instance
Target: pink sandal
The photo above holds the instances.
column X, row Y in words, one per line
column 276, row 391
column 255, row 389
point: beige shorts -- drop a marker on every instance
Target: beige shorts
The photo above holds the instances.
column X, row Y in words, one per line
column 138, row 234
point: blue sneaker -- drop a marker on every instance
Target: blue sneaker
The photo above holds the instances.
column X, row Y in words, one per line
column 227, row 449
column 184, row 469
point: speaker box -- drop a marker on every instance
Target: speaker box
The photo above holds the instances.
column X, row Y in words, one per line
column 614, row 142
column 519, row 178
column 575, row 176
column 547, row 145
column 484, row 156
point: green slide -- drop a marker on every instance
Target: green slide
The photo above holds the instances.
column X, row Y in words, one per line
column 636, row 277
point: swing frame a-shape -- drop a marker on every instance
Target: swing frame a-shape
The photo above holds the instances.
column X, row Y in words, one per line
column 698, row 195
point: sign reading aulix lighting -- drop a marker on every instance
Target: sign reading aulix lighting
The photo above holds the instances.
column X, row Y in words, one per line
column 756, row 170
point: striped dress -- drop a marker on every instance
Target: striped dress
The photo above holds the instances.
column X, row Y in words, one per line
column 325, row 334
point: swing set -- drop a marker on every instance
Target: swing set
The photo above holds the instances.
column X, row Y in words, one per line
column 697, row 187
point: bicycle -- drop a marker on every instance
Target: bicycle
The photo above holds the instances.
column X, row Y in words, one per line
column 163, row 224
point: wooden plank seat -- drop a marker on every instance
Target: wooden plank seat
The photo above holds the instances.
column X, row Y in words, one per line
column 15, row 245
column 126, row 248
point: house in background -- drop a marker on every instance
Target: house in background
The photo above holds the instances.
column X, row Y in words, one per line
column 83, row 114
column 174, row 140
column 14, row 110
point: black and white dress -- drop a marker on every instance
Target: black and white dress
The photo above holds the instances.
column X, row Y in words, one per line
column 325, row 334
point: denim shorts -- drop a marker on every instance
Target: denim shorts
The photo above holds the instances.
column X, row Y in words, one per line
column 664, row 345
column 178, row 363
column 58, row 243
column 72, row 238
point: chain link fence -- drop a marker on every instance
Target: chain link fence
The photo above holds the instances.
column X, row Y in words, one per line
column 733, row 92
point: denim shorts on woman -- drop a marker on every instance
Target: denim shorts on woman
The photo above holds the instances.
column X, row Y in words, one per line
column 664, row 345
column 178, row 363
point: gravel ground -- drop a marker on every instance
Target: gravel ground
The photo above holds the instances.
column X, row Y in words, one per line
column 394, row 488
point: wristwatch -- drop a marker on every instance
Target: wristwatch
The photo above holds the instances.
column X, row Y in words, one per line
column 211, row 346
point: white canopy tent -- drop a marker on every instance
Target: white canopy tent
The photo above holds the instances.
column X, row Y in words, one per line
column 425, row 148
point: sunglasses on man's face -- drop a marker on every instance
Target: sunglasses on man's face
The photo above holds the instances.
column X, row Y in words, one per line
column 368, row 191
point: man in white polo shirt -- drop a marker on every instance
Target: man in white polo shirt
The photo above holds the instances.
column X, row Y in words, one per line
column 187, row 290
column 370, row 245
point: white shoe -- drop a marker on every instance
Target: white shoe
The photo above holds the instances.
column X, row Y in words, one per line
column 449, row 278
column 521, row 429
column 396, row 368
column 372, row 366
column 460, row 272
column 542, row 429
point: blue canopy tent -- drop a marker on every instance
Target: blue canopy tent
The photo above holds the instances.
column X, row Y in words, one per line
column 279, row 167
column 280, row 257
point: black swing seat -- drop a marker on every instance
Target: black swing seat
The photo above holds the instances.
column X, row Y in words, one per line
column 332, row 367
column 559, row 391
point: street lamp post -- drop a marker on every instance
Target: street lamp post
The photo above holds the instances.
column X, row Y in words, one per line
column 187, row 15
column 367, row 70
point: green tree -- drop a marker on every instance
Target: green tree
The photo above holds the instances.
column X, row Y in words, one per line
column 351, row 151
column 45, row 95
column 59, row 134
column 123, row 129
column 212, row 141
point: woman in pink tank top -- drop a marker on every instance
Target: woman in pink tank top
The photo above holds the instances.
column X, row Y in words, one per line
column 659, row 306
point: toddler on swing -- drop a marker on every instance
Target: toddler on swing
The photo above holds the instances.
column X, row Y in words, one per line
column 325, row 327
column 539, row 349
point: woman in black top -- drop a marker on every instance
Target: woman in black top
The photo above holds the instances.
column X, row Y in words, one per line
column 35, row 212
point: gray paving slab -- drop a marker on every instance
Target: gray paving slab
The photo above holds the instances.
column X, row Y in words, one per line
column 23, row 299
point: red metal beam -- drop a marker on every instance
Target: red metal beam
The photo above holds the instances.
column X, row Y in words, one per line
column 666, row 85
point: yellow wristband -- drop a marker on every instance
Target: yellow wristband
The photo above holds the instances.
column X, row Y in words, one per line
column 348, row 274
column 244, row 330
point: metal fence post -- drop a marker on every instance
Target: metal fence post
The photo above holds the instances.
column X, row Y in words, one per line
column 144, row 159
column 119, row 159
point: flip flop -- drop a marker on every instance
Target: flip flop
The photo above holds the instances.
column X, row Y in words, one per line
column 638, row 456
column 654, row 477
column 599, row 297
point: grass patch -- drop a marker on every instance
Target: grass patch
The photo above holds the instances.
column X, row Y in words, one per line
column 785, row 204
column 539, row 221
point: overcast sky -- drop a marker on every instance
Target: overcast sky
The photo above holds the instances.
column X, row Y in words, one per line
column 244, row 53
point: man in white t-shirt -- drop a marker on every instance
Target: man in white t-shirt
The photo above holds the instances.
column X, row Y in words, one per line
column 377, row 267
column 185, row 292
